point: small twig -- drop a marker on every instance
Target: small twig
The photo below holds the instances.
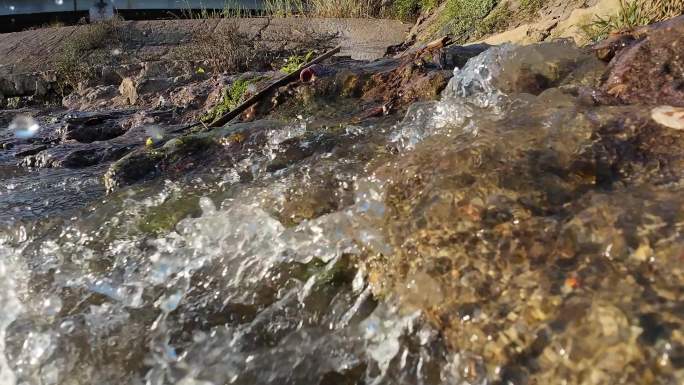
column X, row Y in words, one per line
column 230, row 115
column 435, row 44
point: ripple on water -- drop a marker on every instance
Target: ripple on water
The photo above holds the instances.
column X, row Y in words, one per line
column 502, row 241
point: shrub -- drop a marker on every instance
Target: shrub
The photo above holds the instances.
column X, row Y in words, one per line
column 632, row 14
column 410, row 9
column 84, row 51
column 228, row 49
column 224, row 49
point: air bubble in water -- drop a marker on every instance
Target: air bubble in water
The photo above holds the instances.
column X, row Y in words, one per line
column 24, row 126
column 52, row 305
column 170, row 303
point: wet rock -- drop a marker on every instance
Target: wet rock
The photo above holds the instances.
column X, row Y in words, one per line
column 648, row 66
column 74, row 155
column 176, row 155
column 91, row 128
column 512, row 226
column 92, row 156
column 314, row 72
column 147, row 86
column 131, row 168
column 410, row 82
column 30, row 151
column 296, row 149
column 454, row 56
column 418, row 76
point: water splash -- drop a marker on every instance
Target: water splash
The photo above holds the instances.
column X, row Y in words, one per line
column 11, row 308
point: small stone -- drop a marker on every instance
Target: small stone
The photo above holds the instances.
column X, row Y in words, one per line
column 668, row 116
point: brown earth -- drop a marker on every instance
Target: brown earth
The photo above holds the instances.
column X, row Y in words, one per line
column 28, row 58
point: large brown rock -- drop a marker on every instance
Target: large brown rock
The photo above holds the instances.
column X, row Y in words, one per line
column 648, row 66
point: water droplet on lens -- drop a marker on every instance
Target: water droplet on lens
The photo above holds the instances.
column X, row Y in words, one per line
column 155, row 133
column 24, row 126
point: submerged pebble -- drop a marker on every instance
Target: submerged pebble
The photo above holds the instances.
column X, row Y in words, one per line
column 511, row 232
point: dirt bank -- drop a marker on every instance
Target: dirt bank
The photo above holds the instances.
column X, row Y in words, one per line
column 28, row 59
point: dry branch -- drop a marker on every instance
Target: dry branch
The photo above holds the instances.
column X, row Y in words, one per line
column 230, row 115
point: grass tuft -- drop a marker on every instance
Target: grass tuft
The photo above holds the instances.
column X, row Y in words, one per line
column 632, row 14
column 294, row 62
column 84, row 51
column 224, row 49
column 326, row 8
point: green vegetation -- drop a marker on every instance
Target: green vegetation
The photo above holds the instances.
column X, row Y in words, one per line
column 84, row 51
column 230, row 10
column 223, row 49
column 462, row 17
column 496, row 21
column 632, row 14
column 284, row 8
column 294, row 62
column 409, row 9
column 163, row 218
column 232, row 97
column 325, row 8
column 531, row 7
column 629, row 16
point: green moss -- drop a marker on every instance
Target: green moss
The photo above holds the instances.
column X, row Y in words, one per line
column 176, row 149
column 163, row 218
column 232, row 97
column 462, row 17
column 294, row 62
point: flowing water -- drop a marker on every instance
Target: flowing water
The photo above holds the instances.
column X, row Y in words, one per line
column 322, row 271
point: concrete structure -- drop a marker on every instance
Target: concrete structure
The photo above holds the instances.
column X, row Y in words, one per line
column 29, row 7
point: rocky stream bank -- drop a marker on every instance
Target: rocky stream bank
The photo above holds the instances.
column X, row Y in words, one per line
column 448, row 215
